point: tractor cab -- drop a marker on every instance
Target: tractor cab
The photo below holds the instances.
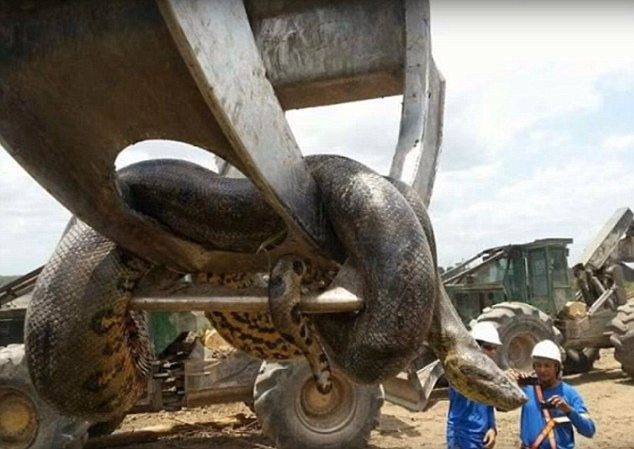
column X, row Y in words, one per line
column 535, row 273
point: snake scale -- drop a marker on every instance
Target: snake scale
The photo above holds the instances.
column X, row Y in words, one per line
column 89, row 355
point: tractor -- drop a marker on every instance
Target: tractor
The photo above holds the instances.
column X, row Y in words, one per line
column 529, row 293
column 526, row 292
column 193, row 368
column 82, row 81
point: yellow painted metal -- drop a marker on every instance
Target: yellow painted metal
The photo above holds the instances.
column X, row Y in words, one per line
column 18, row 419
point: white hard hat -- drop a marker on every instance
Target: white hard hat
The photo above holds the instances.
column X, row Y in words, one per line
column 547, row 349
column 486, row 332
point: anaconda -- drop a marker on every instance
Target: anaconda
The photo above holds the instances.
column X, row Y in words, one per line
column 291, row 323
column 86, row 312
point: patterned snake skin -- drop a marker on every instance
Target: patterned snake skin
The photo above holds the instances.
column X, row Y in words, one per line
column 88, row 354
column 294, row 326
column 83, row 345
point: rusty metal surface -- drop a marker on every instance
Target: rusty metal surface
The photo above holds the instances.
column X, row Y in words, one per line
column 417, row 56
column 219, row 381
column 319, row 52
column 19, row 287
column 80, row 81
column 420, row 132
column 414, row 391
column 427, row 164
column 333, row 300
column 607, row 240
column 212, row 36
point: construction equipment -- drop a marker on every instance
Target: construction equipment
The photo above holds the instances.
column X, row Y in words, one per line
column 188, row 373
column 525, row 291
column 228, row 70
column 542, row 304
column 81, row 81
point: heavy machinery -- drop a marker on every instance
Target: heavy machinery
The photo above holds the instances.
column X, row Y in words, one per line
column 26, row 420
column 186, row 373
column 526, row 291
column 81, row 81
column 521, row 288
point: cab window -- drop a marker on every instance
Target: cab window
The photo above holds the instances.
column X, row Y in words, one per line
column 538, row 272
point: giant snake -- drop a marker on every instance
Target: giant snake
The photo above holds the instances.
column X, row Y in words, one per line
column 88, row 354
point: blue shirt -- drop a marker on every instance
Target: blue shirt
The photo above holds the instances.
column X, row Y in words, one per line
column 532, row 421
column 467, row 422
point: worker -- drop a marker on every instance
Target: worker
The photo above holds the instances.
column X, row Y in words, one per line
column 471, row 425
column 554, row 408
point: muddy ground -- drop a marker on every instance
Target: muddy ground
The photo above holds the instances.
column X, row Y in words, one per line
column 608, row 394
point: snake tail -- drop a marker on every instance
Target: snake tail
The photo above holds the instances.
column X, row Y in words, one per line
column 284, row 299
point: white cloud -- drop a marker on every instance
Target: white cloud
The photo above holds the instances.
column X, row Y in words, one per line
column 31, row 222
column 564, row 200
column 620, row 143
column 365, row 130
column 156, row 149
column 518, row 163
column 510, row 65
column 517, row 78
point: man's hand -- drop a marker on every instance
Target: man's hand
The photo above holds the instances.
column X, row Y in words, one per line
column 489, row 439
column 513, row 374
column 516, row 375
column 560, row 403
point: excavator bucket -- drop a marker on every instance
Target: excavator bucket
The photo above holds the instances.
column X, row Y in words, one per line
column 81, row 81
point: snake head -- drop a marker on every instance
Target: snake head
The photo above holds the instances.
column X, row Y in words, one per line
column 286, row 276
column 478, row 377
column 289, row 264
column 299, row 267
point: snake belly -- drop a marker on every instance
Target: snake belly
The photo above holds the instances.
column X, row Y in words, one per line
column 87, row 354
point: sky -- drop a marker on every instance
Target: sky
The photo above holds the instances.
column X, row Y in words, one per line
column 538, row 137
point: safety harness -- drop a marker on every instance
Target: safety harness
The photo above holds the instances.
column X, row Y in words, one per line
column 549, row 429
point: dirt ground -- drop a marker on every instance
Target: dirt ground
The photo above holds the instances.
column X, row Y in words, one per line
column 608, row 394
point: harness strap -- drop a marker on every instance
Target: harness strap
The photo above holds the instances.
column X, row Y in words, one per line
column 548, row 430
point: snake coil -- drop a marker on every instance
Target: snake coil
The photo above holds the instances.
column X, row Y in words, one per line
column 89, row 354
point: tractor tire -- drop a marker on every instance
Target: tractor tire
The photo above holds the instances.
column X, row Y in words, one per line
column 25, row 420
column 622, row 338
column 580, row 360
column 105, row 428
column 294, row 414
column 520, row 327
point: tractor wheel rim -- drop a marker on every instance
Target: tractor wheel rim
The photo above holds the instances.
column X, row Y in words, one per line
column 18, row 419
column 519, row 352
column 326, row 413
